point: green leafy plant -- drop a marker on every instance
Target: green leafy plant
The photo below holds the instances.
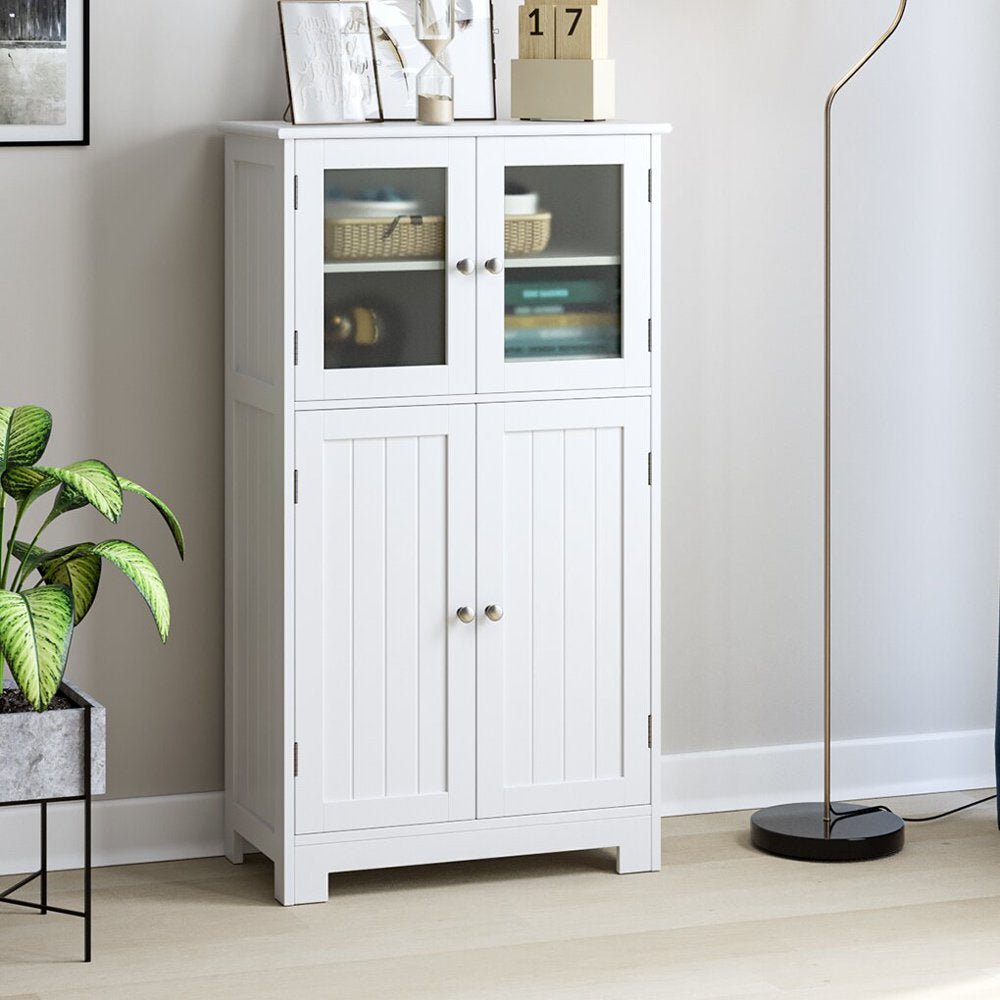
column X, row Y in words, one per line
column 37, row 622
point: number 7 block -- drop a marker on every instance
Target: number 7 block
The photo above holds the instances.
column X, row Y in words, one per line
column 581, row 30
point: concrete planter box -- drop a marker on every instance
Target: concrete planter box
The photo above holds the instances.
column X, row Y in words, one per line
column 41, row 755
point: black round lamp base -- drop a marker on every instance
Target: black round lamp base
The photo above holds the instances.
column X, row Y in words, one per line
column 798, row 831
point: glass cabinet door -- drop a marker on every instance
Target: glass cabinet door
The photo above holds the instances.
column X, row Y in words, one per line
column 564, row 285
column 385, row 298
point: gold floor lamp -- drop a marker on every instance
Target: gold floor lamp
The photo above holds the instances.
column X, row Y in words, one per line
column 830, row 831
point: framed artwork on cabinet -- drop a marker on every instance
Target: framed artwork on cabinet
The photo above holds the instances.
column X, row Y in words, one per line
column 44, row 73
column 329, row 61
column 400, row 57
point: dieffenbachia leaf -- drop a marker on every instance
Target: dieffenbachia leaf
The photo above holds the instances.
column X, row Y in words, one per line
column 85, row 482
column 81, row 573
column 139, row 568
column 75, row 567
column 165, row 512
column 18, row 483
column 26, row 485
column 35, row 632
column 24, row 433
column 30, row 554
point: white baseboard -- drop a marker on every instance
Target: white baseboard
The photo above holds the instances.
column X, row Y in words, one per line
column 125, row 831
column 750, row 778
column 175, row 827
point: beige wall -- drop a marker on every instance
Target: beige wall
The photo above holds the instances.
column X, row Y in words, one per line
column 111, row 289
column 917, row 363
column 111, row 292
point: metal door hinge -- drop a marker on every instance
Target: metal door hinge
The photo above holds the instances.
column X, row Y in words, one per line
column 650, row 468
column 296, row 194
column 651, row 187
column 295, row 348
column 295, row 758
column 295, row 486
column 649, row 345
column 649, row 735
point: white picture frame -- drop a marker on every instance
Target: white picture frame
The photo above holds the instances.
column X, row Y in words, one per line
column 329, row 61
column 400, row 57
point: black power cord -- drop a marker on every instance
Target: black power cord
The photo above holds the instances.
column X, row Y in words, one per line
column 867, row 810
column 950, row 812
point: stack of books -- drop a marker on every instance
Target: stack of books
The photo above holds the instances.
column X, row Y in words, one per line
column 575, row 318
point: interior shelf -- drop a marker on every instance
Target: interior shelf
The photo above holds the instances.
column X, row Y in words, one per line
column 370, row 266
column 561, row 259
column 513, row 263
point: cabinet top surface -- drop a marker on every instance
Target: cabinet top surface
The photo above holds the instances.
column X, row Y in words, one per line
column 409, row 130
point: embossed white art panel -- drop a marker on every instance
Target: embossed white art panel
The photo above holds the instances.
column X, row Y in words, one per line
column 330, row 62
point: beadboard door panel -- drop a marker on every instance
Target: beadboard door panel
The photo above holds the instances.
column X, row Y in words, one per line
column 563, row 549
column 385, row 551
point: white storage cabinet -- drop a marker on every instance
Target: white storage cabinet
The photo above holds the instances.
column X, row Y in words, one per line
column 442, row 526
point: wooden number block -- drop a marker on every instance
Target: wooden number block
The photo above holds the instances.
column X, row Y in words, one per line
column 537, row 29
column 581, row 31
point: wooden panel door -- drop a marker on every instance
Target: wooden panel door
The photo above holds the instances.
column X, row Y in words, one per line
column 564, row 558
column 572, row 308
column 385, row 670
column 385, row 291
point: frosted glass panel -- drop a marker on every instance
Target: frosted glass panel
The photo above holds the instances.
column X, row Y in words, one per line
column 563, row 228
column 384, row 279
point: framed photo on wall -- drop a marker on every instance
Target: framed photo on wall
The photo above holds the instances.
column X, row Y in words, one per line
column 401, row 57
column 329, row 61
column 44, row 73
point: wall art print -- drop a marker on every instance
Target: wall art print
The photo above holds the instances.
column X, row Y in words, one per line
column 401, row 57
column 330, row 61
column 44, row 72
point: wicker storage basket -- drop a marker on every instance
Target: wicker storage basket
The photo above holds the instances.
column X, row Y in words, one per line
column 527, row 234
column 368, row 239
column 423, row 236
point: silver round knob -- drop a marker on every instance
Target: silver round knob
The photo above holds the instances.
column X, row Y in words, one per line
column 494, row 266
column 465, row 266
column 494, row 612
column 466, row 615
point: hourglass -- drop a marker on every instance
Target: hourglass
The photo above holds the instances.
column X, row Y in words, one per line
column 435, row 82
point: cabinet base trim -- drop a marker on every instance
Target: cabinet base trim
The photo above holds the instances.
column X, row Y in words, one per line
column 471, row 825
column 630, row 831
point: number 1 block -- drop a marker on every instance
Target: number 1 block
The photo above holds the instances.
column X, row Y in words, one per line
column 537, row 31
column 581, row 31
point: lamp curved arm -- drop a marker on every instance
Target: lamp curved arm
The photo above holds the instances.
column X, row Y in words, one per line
column 827, row 407
column 838, row 87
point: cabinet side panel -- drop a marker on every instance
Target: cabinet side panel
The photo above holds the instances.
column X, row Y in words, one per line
column 256, row 634
column 256, row 477
column 256, row 292
column 656, row 440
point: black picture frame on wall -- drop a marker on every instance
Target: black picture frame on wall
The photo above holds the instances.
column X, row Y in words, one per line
column 45, row 73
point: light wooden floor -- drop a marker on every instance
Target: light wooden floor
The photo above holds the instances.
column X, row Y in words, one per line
column 720, row 920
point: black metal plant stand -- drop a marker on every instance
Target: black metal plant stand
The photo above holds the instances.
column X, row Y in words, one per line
column 42, row 875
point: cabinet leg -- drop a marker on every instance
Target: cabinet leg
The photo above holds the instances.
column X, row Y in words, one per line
column 235, row 847
column 312, row 883
column 635, row 856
